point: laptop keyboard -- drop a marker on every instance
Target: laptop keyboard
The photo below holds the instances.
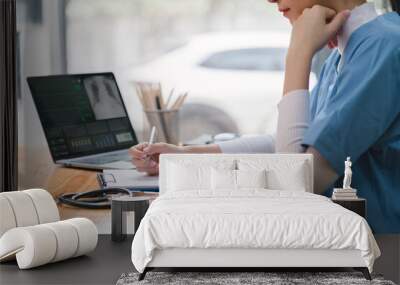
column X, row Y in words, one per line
column 107, row 158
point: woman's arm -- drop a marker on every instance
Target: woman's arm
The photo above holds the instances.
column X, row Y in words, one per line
column 252, row 144
column 310, row 32
column 293, row 122
column 146, row 157
column 324, row 175
column 142, row 152
column 294, row 110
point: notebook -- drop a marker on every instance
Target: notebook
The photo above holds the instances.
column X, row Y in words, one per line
column 130, row 179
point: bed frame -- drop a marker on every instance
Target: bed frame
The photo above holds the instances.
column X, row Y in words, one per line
column 242, row 259
column 250, row 259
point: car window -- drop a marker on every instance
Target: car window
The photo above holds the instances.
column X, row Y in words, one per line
column 258, row 59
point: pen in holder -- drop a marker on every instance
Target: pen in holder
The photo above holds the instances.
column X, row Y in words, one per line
column 163, row 114
column 167, row 124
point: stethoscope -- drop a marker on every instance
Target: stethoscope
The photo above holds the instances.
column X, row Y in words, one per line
column 95, row 199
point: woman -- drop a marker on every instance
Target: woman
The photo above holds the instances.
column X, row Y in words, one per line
column 353, row 111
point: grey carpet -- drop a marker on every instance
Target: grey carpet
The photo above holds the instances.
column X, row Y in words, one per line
column 243, row 278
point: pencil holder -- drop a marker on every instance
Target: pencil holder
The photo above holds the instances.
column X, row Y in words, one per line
column 166, row 123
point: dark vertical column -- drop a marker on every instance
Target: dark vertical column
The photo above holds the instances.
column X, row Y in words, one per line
column 117, row 233
column 63, row 36
column 395, row 5
column 8, row 98
column 140, row 209
column 119, row 207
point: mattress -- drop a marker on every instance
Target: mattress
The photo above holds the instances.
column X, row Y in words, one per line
column 252, row 219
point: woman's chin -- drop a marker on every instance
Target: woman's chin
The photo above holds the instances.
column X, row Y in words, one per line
column 291, row 19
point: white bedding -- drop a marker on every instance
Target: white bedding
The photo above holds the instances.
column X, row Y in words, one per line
column 250, row 219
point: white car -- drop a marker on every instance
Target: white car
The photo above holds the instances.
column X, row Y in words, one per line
column 234, row 80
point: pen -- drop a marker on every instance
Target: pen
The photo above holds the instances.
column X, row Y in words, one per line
column 151, row 140
column 152, row 135
column 162, row 119
column 169, row 98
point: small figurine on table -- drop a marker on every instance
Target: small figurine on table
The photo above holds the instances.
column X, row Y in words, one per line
column 348, row 173
column 347, row 192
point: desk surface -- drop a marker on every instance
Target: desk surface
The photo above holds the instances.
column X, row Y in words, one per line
column 37, row 170
column 67, row 180
column 70, row 180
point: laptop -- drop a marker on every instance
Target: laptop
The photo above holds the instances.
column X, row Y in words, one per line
column 84, row 120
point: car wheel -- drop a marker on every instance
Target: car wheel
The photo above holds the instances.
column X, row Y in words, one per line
column 198, row 119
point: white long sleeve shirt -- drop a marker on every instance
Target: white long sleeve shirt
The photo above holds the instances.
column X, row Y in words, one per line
column 293, row 121
column 294, row 118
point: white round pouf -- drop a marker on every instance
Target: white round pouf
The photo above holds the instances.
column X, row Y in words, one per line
column 31, row 233
column 87, row 234
column 33, row 246
column 7, row 216
column 41, row 244
column 45, row 205
column 23, row 208
column 67, row 240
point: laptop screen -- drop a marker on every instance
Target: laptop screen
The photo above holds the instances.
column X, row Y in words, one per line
column 81, row 114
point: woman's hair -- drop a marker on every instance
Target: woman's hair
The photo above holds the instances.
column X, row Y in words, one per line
column 395, row 5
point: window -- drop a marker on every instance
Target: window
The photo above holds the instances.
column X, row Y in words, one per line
column 256, row 59
column 137, row 41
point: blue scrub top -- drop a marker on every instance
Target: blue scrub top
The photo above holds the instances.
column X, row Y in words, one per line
column 355, row 111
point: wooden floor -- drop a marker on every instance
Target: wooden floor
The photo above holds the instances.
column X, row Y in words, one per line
column 103, row 266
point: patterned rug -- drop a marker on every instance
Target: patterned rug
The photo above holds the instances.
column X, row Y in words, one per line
column 243, row 278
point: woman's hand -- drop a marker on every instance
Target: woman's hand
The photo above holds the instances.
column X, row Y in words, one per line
column 315, row 28
column 311, row 31
column 146, row 157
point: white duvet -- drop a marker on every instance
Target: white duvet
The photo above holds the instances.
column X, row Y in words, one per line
column 250, row 219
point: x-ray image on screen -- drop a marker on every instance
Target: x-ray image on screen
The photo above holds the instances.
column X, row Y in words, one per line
column 104, row 98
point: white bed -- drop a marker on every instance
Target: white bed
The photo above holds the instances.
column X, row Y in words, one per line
column 202, row 220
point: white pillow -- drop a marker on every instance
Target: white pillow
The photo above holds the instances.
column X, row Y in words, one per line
column 225, row 179
column 251, row 179
column 291, row 179
column 282, row 174
column 182, row 177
